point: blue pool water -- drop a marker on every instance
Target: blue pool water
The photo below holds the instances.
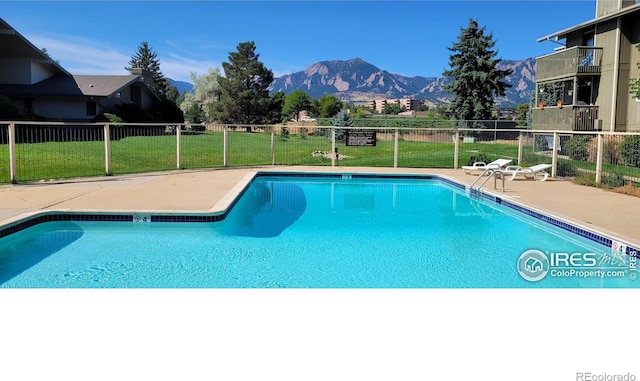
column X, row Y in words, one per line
column 306, row 232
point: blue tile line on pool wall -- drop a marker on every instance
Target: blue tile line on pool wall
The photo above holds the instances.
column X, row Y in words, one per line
column 207, row 217
column 52, row 217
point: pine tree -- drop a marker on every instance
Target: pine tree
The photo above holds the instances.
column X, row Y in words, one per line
column 146, row 58
column 476, row 79
column 341, row 119
column 244, row 88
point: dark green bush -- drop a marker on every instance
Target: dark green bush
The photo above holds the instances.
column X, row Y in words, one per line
column 530, row 158
column 132, row 113
column 284, row 133
column 587, row 179
column 630, row 151
column 578, row 147
column 113, row 118
column 565, row 169
column 479, row 158
column 613, row 180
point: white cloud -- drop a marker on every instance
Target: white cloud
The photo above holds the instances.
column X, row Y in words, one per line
column 79, row 55
column 179, row 68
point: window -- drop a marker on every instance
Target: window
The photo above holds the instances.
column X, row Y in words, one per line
column 136, row 96
column 588, row 39
column 91, row 108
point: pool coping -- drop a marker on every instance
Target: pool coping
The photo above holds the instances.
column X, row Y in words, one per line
column 221, row 209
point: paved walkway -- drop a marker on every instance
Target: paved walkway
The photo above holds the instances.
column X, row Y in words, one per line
column 210, row 190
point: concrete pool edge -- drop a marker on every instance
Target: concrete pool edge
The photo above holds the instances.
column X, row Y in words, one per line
column 224, row 204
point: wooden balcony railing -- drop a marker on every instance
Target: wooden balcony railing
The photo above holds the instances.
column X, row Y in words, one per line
column 569, row 62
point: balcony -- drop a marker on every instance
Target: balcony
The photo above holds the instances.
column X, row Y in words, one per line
column 568, row 118
column 569, row 62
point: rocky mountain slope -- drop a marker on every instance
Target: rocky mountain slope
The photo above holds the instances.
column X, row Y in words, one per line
column 356, row 80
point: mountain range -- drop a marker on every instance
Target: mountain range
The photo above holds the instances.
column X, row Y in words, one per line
column 357, row 81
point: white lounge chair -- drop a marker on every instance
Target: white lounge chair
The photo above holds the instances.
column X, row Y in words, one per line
column 532, row 172
column 480, row 166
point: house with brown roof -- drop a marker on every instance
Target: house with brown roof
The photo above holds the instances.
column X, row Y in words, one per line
column 36, row 84
column 584, row 84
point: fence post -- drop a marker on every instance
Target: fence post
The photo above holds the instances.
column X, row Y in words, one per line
column 273, row 145
column 225, row 146
column 554, row 155
column 599, row 155
column 107, row 149
column 456, row 149
column 520, row 146
column 12, row 153
column 178, row 153
column 333, row 147
column 395, row 148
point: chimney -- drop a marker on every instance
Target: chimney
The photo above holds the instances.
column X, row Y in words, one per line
column 605, row 7
column 146, row 75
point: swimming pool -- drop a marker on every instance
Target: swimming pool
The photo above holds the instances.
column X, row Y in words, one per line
column 321, row 231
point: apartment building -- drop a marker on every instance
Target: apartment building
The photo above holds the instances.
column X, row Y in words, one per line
column 584, row 85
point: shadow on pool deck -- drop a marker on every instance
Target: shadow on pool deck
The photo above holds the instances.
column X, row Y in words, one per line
column 200, row 190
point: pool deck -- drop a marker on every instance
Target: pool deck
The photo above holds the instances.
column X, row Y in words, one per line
column 191, row 191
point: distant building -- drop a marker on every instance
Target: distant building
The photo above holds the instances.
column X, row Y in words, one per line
column 409, row 104
column 414, row 113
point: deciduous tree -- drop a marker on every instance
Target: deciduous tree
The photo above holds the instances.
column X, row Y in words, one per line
column 206, row 93
column 327, row 106
column 476, row 79
column 393, row 109
column 295, row 102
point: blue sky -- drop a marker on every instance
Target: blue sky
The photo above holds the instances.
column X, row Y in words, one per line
column 409, row 38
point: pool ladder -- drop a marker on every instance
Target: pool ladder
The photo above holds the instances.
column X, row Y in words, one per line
column 474, row 191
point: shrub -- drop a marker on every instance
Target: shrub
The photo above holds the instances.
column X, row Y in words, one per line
column 197, row 127
column 630, row 151
column 578, row 147
column 167, row 111
column 611, row 150
column 9, row 112
column 284, row 133
column 587, row 179
column 113, row 118
column 479, row 158
column 530, row 158
column 613, row 180
column 132, row 113
column 565, row 169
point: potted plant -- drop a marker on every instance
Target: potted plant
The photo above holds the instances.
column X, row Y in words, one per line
column 541, row 105
column 560, row 103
